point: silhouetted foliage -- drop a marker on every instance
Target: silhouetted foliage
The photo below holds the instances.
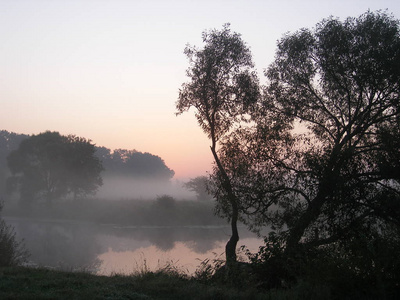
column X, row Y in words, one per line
column 223, row 87
column 199, row 185
column 342, row 83
column 48, row 166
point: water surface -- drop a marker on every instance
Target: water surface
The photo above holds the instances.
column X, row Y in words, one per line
column 110, row 249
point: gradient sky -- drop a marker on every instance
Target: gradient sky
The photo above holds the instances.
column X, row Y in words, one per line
column 111, row 70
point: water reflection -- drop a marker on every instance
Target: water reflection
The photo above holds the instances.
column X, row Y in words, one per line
column 108, row 249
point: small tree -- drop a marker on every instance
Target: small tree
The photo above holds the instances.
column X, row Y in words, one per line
column 222, row 89
column 199, row 186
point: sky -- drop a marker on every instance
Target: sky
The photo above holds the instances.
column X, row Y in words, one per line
column 111, row 71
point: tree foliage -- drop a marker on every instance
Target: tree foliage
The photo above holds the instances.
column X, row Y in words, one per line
column 48, row 166
column 199, row 185
column 223, row 84
column 341, row 83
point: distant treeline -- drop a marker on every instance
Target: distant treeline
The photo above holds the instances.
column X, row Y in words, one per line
column 119, row 162
column 132, row 163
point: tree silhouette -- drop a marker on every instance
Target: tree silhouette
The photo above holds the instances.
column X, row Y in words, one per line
column 324, row 145
column 222, row 88
column 199, row 186
column 48, row 166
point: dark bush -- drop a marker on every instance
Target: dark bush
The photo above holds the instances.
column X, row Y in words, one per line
column 12, row 251
column 165, row 201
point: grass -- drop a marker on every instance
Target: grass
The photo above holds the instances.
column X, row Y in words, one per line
column 31, row 283
column 171, row 283
column 167, row 283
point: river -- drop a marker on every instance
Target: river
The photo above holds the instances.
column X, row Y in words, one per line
column 111, row 249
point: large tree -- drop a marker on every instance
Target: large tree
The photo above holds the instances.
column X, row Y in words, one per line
column 222, row 88
column 48, row 166
column 324, row 148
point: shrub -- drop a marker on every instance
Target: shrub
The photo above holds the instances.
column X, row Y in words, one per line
column 165, row 201
column 12, row 251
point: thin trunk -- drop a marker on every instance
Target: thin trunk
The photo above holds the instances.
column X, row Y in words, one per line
column 230, row 248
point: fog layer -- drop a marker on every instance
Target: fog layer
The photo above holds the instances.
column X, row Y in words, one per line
column 118, row 187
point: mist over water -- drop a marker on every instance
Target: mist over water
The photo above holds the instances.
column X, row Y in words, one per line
column 109, row 249
column 130, row 225
column 118, row 187
column 139, row 218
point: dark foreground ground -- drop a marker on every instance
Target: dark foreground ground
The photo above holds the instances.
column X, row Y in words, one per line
column 35, row 283
column 27, row 283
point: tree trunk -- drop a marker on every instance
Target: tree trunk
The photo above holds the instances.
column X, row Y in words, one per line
column 305, row 220
column 312, row 212
column 230, row 248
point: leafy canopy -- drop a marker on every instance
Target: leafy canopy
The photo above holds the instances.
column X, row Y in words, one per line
column 222, row 85
column 324, row 146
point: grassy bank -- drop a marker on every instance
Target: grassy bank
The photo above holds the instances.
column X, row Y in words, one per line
column 26, row 283
column 36, row 283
